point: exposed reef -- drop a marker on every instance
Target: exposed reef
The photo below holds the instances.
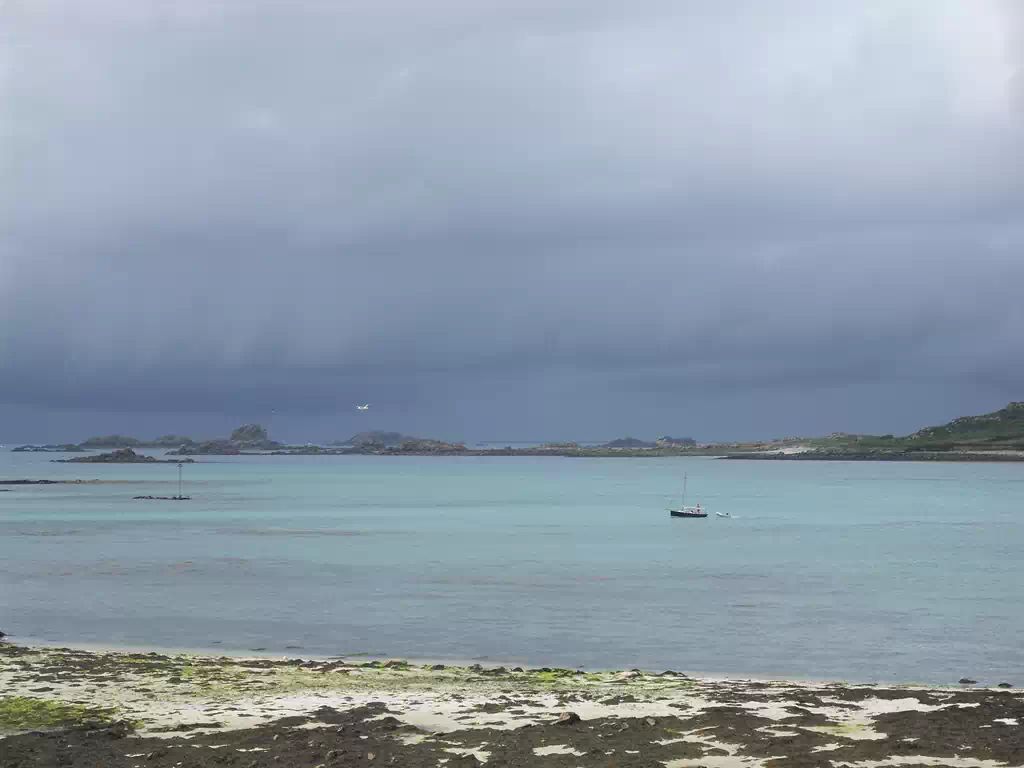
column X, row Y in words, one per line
column 77, row 708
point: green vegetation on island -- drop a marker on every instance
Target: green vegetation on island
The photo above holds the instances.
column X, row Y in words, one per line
column 996, row 436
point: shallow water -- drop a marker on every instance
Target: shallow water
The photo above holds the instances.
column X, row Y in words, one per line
column 861, row 571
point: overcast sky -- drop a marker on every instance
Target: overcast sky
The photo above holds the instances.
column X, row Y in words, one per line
column 509, row 220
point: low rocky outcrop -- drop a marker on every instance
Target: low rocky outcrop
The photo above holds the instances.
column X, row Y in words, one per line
column 375, row 438
column 120, row 456
column 32, row 482
column 247, row 438
column 208, row 448
column 424, row 445
column 49, row 448
column 628, row 442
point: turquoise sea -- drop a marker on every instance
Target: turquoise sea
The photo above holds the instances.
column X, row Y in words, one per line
column 857, row 571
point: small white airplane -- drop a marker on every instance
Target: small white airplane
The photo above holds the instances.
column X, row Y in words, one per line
column 363, row 407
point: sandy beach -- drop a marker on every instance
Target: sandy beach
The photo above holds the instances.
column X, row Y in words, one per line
column 70, row 707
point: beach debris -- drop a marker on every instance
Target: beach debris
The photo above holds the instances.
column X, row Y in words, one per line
column 567, row 718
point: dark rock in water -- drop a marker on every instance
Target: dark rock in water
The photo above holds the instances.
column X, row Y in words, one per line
column 967, row 681
column 567, row 718
column 1001, row 685
column 120, row 456
column 3, row 634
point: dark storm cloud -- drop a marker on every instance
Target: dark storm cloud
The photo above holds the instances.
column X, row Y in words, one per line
column 540, row 212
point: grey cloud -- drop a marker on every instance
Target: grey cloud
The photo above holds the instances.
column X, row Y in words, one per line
column 214, row 207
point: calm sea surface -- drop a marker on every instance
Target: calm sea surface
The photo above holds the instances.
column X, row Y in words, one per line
column 860, row 571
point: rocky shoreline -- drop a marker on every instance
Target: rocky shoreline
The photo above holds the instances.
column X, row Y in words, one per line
column 991, row 437
column 845, row 455
column 79, row 708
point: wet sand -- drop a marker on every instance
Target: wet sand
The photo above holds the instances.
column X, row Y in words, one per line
column 64, row 707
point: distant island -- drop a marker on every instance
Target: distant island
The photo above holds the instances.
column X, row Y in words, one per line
column 996, row 436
